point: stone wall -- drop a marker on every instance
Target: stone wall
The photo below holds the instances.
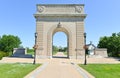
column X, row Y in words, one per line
column 19, row 51
column 101, row 52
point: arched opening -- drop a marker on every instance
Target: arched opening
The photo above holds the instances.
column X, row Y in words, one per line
column 50, row 41
column 60, row 45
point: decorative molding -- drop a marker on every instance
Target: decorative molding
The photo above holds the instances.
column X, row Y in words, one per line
column 79, row 9
column 60, row 15
column 62, row 19
column 60, row 4
column 60, row 8
column 40, row 9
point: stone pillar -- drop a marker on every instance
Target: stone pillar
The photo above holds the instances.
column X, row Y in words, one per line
column 39, row 30
column 79, row 39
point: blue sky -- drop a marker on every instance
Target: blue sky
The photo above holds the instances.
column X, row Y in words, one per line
column 16, row 18
column 60, row 39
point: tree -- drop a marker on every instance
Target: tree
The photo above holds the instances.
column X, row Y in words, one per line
column 112, row 43
column 65, row 49
column 8, row 42
column 55, row 48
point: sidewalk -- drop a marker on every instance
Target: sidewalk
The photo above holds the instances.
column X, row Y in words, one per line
column 58, row 68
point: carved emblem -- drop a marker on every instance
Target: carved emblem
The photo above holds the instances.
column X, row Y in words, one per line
column 79, row 9
column 40, row 9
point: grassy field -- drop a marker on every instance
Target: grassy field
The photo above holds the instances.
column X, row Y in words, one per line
column 54, row 52
column 103, row 70
column 17, row 70
column 65, row 53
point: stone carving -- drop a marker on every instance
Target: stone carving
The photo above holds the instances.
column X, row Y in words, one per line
column 40, row 9
column 59, row 25
column 79, row 9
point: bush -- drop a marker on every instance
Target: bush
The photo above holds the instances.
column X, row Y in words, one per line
column 8, row 42
column 3, row 54
column 30, row 51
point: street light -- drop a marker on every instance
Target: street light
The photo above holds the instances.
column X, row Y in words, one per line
column 35, row 47
column 85, row 63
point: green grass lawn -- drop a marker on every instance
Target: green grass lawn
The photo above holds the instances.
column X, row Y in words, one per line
column 103, row 70
column 54, row 52
column 16, row 70
column 65, row 53
column 30, row 51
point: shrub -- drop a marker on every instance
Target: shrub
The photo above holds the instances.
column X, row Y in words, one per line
column 3, row 54
column 30, row 51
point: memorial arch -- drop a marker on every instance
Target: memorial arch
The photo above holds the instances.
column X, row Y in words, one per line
column 67, row 18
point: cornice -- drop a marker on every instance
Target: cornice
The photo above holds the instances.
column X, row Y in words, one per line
column 60, row 4
column 60, row 15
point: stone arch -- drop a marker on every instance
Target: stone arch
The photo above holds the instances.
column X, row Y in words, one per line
column 50, row 34
column 47, row 23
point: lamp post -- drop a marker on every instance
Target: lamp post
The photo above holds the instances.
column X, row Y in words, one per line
column 35, row 47
column 85, row 62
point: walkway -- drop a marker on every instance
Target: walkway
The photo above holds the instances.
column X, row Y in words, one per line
column 60, row 54
column 57, row 68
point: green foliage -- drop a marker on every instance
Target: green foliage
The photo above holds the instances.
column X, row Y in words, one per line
column 59, row 49
column 65, row 49
column 103, row 70
column 55, row 49
column 3, row 54
column 112, row 43
column 65, row 53
column 8, row 42
column 30, row 51
column 17, row 70
column 54, row 52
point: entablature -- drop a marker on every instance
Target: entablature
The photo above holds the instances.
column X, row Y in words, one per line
column 60, row 9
